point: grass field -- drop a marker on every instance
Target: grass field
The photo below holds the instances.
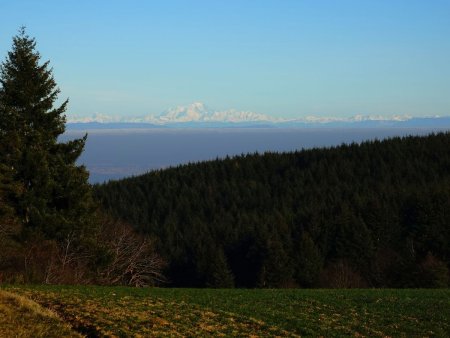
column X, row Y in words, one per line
column 131, row 312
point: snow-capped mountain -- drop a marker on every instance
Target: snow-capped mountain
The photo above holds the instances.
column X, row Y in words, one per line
column 198, row 112
column 353, row 119
column 194, row 112
column 96, row 117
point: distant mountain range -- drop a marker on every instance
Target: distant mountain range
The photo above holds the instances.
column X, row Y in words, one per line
column 197, row 115
column 195, row 112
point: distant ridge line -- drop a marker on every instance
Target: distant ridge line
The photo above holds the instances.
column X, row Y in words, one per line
column 419, row 122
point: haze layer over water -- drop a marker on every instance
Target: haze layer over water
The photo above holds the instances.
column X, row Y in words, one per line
column 114, row 154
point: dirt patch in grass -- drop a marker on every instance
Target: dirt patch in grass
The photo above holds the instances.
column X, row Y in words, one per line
column 114, row 315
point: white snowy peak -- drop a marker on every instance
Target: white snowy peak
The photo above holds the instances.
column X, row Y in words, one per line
column 353, row 119
column 96, row 117
column 193, row 112
column 198, row 112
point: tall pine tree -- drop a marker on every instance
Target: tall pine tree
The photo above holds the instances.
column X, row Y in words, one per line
column 55, row 197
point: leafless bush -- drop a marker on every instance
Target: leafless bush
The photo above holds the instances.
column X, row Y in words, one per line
column 68, row 263
column 433, row 273
column 341, row 275
column 10, row 251
column 132, row 258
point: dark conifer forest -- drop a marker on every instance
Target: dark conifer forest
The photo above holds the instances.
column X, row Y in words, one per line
column 375, row 214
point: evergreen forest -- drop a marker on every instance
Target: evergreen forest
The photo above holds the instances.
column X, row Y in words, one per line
column 375, row 214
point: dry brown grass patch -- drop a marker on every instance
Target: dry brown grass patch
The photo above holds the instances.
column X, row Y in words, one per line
column 21, row 317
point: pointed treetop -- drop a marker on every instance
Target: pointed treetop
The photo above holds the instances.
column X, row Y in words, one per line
column 29, row 90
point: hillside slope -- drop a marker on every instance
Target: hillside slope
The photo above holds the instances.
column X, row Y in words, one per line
column 21, row 317
column 370, row 214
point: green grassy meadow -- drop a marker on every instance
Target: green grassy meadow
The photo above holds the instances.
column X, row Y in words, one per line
column 157, row 312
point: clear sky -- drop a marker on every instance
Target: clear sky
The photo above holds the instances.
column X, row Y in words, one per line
column 282, row 58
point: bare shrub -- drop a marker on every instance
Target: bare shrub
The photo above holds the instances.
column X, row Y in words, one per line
column 433, row 273
column 10, row 250
column 341, row 275
column 131, row 257
column 69, row 263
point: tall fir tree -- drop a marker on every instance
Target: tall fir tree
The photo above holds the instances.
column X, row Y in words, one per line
column 55, row 197
column 309, row 262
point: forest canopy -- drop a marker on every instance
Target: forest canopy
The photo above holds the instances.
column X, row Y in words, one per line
column 372, row 214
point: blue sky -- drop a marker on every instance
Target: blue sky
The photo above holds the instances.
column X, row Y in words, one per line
column 281, row 58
